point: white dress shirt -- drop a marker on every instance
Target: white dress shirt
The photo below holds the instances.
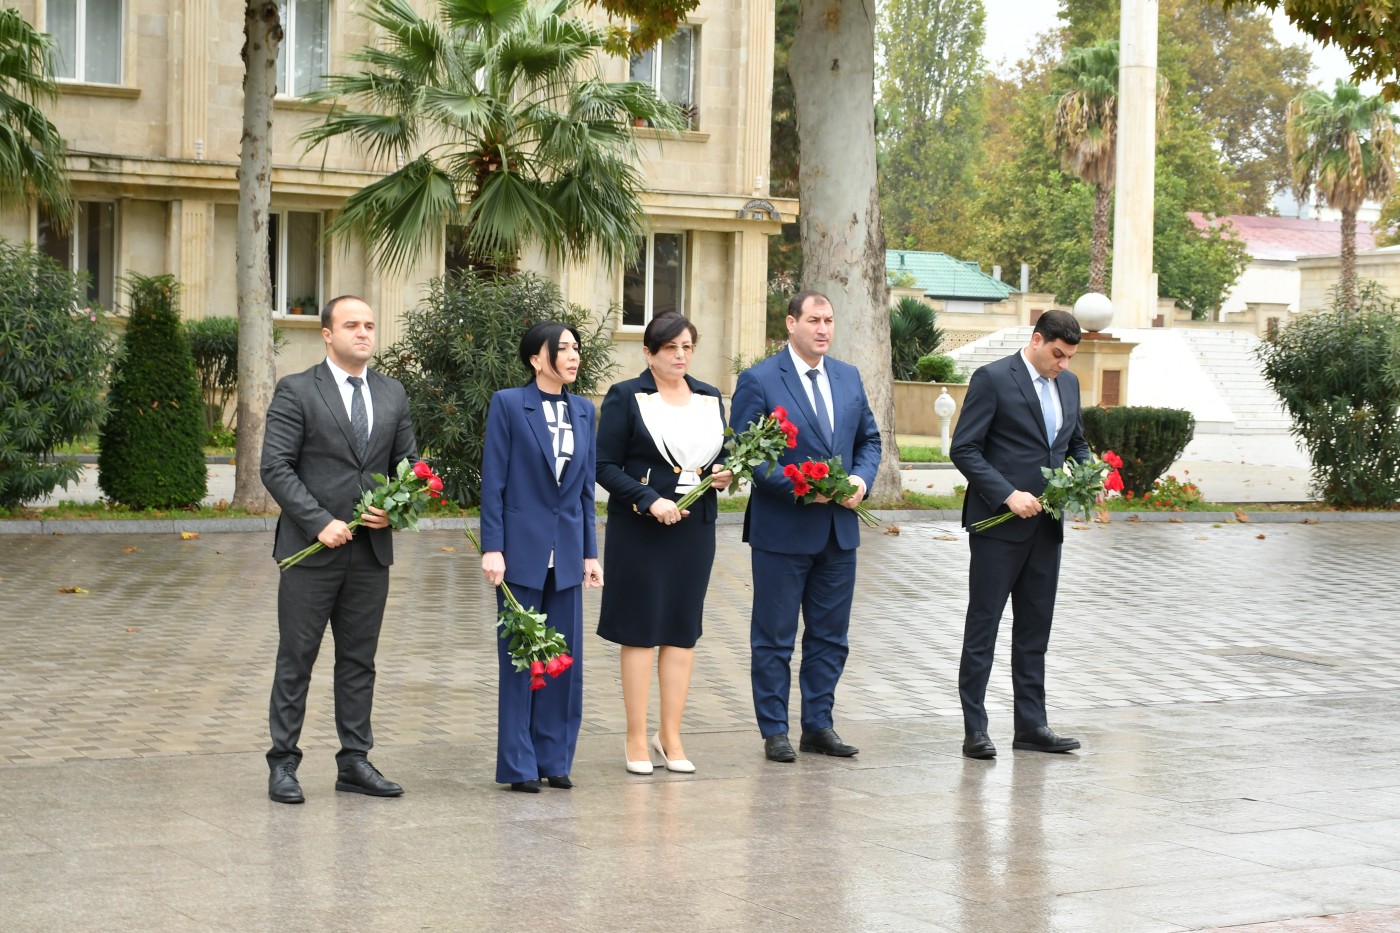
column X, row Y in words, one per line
column 1034, row 375
column 822, row 383
column 347, row 391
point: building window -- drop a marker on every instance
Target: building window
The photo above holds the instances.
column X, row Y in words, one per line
column 303, row 58
column 294, row 261
column 654, row 282
column 669, row 66
column 87, row 39
column 89, row 246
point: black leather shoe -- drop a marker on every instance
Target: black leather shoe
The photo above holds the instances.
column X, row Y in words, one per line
column 282, row 784
column 560, row 781
column 778, row 748
column 361, row 777
column 1044, row 739
column 526, row 787
column 979, row 745
column 827, row 742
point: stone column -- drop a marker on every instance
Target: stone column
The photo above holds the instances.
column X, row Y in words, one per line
column 190, row 245
column 749, row 299
column 1134, row 301
column 1101, row 364
column 755, row 139
column 189, row 80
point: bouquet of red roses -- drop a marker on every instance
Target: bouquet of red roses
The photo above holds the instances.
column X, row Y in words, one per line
column 403, row 499
column 825, row 478
column 1074, row 487
column 535, row 645
column 760, row 444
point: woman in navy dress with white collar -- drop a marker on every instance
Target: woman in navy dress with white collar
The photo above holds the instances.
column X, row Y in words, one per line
column 538, row 534
column 659, row 433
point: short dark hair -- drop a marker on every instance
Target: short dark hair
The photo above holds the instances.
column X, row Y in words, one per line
column 328, row 309
column 1058, row 325
column 666, row 327
column 800, row 299
column 544, row 334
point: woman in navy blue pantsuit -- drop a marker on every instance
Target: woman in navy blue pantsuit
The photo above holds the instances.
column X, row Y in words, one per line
column 538, row 534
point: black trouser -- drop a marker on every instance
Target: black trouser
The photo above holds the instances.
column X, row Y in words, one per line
column 349, row 593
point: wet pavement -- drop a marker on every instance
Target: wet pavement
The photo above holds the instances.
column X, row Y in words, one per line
column 1235, row 687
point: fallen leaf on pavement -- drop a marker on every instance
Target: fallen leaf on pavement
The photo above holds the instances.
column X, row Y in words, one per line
column 1240, row 516
column 892, row 530
column 1174, row 521
column 1134, row 518
column 945, row 538
column 129, row 550
column 1202, row 538
column 71, row 589
column 1081, row 527
column 1260, row 537
column 449, row 549
column 188, row 535
column 1310, row 521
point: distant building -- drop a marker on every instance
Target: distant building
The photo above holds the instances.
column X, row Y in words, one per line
column 957, row 285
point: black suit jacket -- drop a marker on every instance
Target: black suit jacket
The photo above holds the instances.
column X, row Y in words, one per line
column 630, row 467
column 309, row 463
column 1000, row 446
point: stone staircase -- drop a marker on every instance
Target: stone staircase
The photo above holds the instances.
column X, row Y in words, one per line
column 970, row 357
column 1228, row 358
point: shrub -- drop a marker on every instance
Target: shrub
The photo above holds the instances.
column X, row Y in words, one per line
column 1338, row 374
column 214, row 346
column 151, row 449
column 1166, row 495
column 1148, row 439
column 54, row 354
column 460, row 346
column 938, row 367
column 737, row 364
column 913, row 333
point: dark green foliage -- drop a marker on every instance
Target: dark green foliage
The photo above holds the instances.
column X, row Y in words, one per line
column 53, row 359
column 913, row 333
column 1148, row 439
column 938, row 367
column 214, row 346
column 1338, row 374
column 460, row 346
column 151, row 448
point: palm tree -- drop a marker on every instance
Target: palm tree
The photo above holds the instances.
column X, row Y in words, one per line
column 32, row 160
column 1342, row 148
column 1084, row 131
column 497, row 120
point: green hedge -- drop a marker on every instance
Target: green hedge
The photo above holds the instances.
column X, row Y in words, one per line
column 1148, row 439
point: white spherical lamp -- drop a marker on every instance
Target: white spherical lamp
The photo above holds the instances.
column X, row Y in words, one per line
column 1093, row 311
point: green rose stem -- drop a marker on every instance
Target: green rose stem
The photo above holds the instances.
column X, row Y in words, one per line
column 760, row 444
column 532, row 639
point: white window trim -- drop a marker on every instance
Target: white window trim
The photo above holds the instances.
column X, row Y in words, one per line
column 80, row 46
column 655, row 81
column 289, row 47
column 648, row 304
column 279, row 287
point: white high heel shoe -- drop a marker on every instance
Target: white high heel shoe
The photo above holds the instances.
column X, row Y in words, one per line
column 637, row 767
column 682, row 765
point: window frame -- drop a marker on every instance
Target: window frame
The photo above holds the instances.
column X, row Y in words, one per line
column 80, row 45
column 74, row 261
column 649, row 301
column 286, row 72
column 691, row 105
column 277, row 265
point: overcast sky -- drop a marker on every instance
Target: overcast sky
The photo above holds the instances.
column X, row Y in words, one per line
column 1013, row 24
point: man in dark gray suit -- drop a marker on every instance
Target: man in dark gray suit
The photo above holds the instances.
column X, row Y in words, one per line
column 328, row 429
column 1021, row 413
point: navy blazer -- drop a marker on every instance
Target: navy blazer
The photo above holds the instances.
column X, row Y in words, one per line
column 774, row 520
column 630, row 467
column 1000, row 445
column 525, row 514
column 309, row 462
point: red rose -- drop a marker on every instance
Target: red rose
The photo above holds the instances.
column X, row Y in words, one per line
column 536, row 682
column 800, row 487
column 555, row 667
column 780, row 412
column 434, row 484
column 1113, row 482
column 567, row 661
column 1113, row 460
column 422, row 470
column 819, row 470
column 536, row 668
column 792, row 472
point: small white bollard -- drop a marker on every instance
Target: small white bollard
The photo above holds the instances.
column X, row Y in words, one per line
column 944, row 407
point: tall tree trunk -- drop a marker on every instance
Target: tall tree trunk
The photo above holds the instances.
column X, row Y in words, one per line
column 1098, row 248
column 832, row 67
column 1349, row 258
column 262, row 34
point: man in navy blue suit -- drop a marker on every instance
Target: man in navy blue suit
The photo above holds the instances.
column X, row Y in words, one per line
column 1021, row 413
column 804, row 556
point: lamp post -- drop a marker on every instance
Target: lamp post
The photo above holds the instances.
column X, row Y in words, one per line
column 944, row 407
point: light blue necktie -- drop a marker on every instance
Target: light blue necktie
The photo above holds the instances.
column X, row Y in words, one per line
column 1047, row 410
column 819, row 403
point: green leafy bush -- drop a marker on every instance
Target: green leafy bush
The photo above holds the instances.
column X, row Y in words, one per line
column 151, row 449
column 214, row 346
column 1166, row 495
column 54, row 354
column 1338, row 374
column 938, row 367
column 1148, row 439
column 913, row 333
column 460, row 346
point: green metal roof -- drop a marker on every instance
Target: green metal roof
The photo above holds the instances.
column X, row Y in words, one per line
column 942, row 276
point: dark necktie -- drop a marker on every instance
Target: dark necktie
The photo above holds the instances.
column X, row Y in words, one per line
column 359, row 418
column 819, row 403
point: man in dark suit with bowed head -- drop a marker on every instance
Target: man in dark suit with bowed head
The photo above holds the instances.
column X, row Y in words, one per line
column 804, row 556
column 1021, row 413
column 328, row 429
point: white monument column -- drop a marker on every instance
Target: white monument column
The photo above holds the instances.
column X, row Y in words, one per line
column 1134, row 298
